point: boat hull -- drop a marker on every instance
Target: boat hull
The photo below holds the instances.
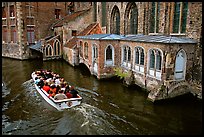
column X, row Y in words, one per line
column 58, row 104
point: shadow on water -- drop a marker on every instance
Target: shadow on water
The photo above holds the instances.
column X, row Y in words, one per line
column 84, row 70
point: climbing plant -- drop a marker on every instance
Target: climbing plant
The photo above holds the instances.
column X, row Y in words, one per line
column 120, row 73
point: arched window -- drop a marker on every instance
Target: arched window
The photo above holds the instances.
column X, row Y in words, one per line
column 109, row 55
column 180, row 17
column 180, row 65
column 139, row 59
column 129, row 54
column 155, row 63
column 142, row 57
column 56, row 50
column 126, row 57
column 103, row 4
column 81, row 48
column 95, row 51
column 48, row 50
column 124, row 54
column 86, row 50
column 152, row 59
column 115, row 21
column 137, row 56
column 131, row 19
column 158, row 61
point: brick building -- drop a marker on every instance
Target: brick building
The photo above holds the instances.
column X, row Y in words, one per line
column 24, row 23
column 130, row 29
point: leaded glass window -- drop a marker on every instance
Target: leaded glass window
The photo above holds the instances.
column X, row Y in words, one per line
column 109, row 53
column 158, row 61
column 180, row 17
column 124, row 54
column 142, row 57
column 129, row 54
column 152, row 59
column 137, row 56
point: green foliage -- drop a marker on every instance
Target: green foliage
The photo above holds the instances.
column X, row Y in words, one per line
column 120, row 73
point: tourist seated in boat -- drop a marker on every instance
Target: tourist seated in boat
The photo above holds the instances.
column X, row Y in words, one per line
column 68, row 94
column 37, row 80
column 46, row 87
column 57, row 80
column 41, row 82
column 60, row 95
column 73, row 92
column 48, row 74
column 53, row 90
column 63, row 84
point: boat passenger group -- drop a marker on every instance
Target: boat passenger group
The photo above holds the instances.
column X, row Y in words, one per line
column 54, row 85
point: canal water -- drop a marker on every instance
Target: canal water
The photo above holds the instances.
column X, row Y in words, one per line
column 107, row 108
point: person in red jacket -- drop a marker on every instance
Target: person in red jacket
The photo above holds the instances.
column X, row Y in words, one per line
column 46, row 87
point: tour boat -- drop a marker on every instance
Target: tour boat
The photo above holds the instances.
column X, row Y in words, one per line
column 58, row 104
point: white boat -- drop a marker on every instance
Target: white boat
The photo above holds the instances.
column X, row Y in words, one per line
column 58, row 104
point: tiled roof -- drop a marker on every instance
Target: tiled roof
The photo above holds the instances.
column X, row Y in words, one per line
column 140, row 38
column 103, row 36
column 68, row 18
column 88, row 30
column 71, row 43
column 37, row 46
column 158, row 38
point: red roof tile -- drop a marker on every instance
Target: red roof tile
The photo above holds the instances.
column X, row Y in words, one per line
column 68, row 18
column 93, row 28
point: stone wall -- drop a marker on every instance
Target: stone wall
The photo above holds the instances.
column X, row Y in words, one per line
column 78, row 24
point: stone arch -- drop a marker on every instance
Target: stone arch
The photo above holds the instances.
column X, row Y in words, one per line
column 180, row 65
column 115, row 21
column 131, row 19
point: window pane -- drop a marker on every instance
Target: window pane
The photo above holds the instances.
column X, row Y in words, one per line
column 50, row 51
column 158, row 63
column 133, row 20
column 152, row 20
column 103, row 14
column 109, row 53
column 152, row 59
column 142, row 57
column 184, row 17
column 117, row 23
column 129, row 54
column 157, row 20
column 124, row 54
column 137, row 56
column 176, row 17
column 58, row 48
